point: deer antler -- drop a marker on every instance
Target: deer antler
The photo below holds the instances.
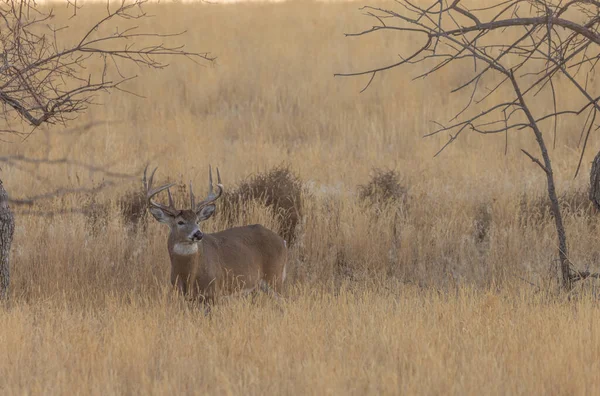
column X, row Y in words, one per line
column 211, row 195
column 150, row 192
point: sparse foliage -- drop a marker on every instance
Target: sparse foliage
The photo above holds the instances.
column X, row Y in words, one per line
column 510, row 79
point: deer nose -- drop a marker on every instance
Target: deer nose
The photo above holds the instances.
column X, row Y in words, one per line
column 197, row 235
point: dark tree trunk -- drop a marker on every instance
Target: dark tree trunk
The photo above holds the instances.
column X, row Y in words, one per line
column 7, row 227
column 595, row 181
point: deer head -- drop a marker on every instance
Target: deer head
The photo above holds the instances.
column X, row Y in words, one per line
column 184, row 223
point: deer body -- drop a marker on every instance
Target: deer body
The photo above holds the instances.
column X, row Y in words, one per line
column 231, row 262
column 237, row 260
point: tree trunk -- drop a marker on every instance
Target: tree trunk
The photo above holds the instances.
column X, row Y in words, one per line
column 7, row 227
column 595, row 181
column 563, row 254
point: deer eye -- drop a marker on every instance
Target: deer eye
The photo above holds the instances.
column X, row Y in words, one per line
column 180, row 222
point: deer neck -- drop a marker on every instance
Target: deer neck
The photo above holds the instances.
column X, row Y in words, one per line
column 194, row 262
column 186, row 253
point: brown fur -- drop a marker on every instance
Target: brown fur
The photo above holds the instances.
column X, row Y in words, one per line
column 240, row 259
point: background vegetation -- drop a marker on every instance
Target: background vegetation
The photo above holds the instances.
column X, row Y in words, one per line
column 405, row 272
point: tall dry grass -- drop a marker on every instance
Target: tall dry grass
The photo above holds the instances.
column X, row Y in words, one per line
column 418, row 296
column 359, row 341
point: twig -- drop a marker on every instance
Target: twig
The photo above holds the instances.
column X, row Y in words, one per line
column 537, row 161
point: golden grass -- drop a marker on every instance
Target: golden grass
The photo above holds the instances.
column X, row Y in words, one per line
column 381, row 300
column 357, row 341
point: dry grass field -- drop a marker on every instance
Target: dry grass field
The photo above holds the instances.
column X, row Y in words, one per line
column 420, row 295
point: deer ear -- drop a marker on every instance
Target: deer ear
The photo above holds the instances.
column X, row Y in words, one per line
column 206, row 212
column 160, row 215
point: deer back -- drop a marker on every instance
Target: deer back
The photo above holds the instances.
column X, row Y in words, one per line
column 243, row 256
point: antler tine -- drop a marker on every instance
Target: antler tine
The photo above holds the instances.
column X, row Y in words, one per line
column 144, row 181
column 152, row 178
column 211, row 195
column 150, row 192
column 210, row 181
column 171, row 204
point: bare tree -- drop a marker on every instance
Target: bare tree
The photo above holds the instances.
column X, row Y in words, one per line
column 45, row 75
column 518, row 49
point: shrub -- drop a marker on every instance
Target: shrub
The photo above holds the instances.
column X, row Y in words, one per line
column 97, row 214
column 384, row 187
column 482, row 223
column 279, row 189
column 133, row 208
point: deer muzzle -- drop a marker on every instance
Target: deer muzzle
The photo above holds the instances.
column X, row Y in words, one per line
column 197, row 236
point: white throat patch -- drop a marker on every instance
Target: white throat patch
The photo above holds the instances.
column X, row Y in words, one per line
column 185, row 249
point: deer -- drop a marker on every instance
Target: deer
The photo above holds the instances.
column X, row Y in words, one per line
column 233, row 262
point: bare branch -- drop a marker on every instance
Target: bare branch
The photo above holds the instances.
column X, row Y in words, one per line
column 43, row 83
column 537, row 161
column 527, row 43
column 29, row 201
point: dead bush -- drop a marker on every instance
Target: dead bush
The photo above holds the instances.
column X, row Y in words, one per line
column 482, row 224
column 97, row 214
column 384, row 187
column 133, row 208
column 279, row 189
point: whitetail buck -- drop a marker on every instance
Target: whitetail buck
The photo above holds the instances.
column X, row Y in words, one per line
column 231, row 262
